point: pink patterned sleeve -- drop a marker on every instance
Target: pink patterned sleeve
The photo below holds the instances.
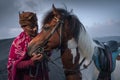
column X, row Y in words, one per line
column 25, row 64
column 17, row 54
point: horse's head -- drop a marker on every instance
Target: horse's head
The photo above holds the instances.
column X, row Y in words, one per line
column 57, row 29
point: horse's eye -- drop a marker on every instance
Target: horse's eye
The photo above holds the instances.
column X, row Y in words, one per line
column 46, row 28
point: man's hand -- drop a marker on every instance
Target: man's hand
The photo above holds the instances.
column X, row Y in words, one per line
column 36, row 57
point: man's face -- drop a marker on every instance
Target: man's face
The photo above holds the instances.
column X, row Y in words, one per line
column 31, row 30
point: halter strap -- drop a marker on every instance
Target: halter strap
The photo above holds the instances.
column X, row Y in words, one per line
column 48, row 37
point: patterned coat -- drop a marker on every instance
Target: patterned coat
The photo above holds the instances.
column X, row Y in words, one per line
column 19, row 63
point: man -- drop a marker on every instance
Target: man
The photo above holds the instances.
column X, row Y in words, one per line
column 20, row 65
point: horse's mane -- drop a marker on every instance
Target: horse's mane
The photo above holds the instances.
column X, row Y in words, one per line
column 76, row 26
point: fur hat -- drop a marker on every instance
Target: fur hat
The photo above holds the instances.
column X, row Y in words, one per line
column 27, row 18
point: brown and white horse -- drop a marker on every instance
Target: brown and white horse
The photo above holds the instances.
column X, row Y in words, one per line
column 62, row 29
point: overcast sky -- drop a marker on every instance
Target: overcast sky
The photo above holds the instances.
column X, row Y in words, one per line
column 100, row 17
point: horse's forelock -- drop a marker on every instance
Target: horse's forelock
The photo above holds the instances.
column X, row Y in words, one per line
column 50, row 15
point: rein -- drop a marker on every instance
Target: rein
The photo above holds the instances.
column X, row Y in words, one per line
column 85, row 66
column 41, row 50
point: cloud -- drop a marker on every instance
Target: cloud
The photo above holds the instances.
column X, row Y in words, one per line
column 108, row 28
column 12, row 31
column 28, row 5
column 9, row 32
column 88, row 11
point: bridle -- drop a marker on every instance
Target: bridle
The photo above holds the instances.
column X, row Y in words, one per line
column 41, row 50
column 59, row 24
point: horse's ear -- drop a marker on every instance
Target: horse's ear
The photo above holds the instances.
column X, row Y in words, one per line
column 20, row 13
column 54, row 9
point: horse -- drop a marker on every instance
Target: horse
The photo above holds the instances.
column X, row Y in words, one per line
column 56, row 34
column 63, row 30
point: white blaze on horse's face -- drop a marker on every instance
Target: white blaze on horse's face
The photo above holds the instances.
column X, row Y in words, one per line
column 72, row 45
